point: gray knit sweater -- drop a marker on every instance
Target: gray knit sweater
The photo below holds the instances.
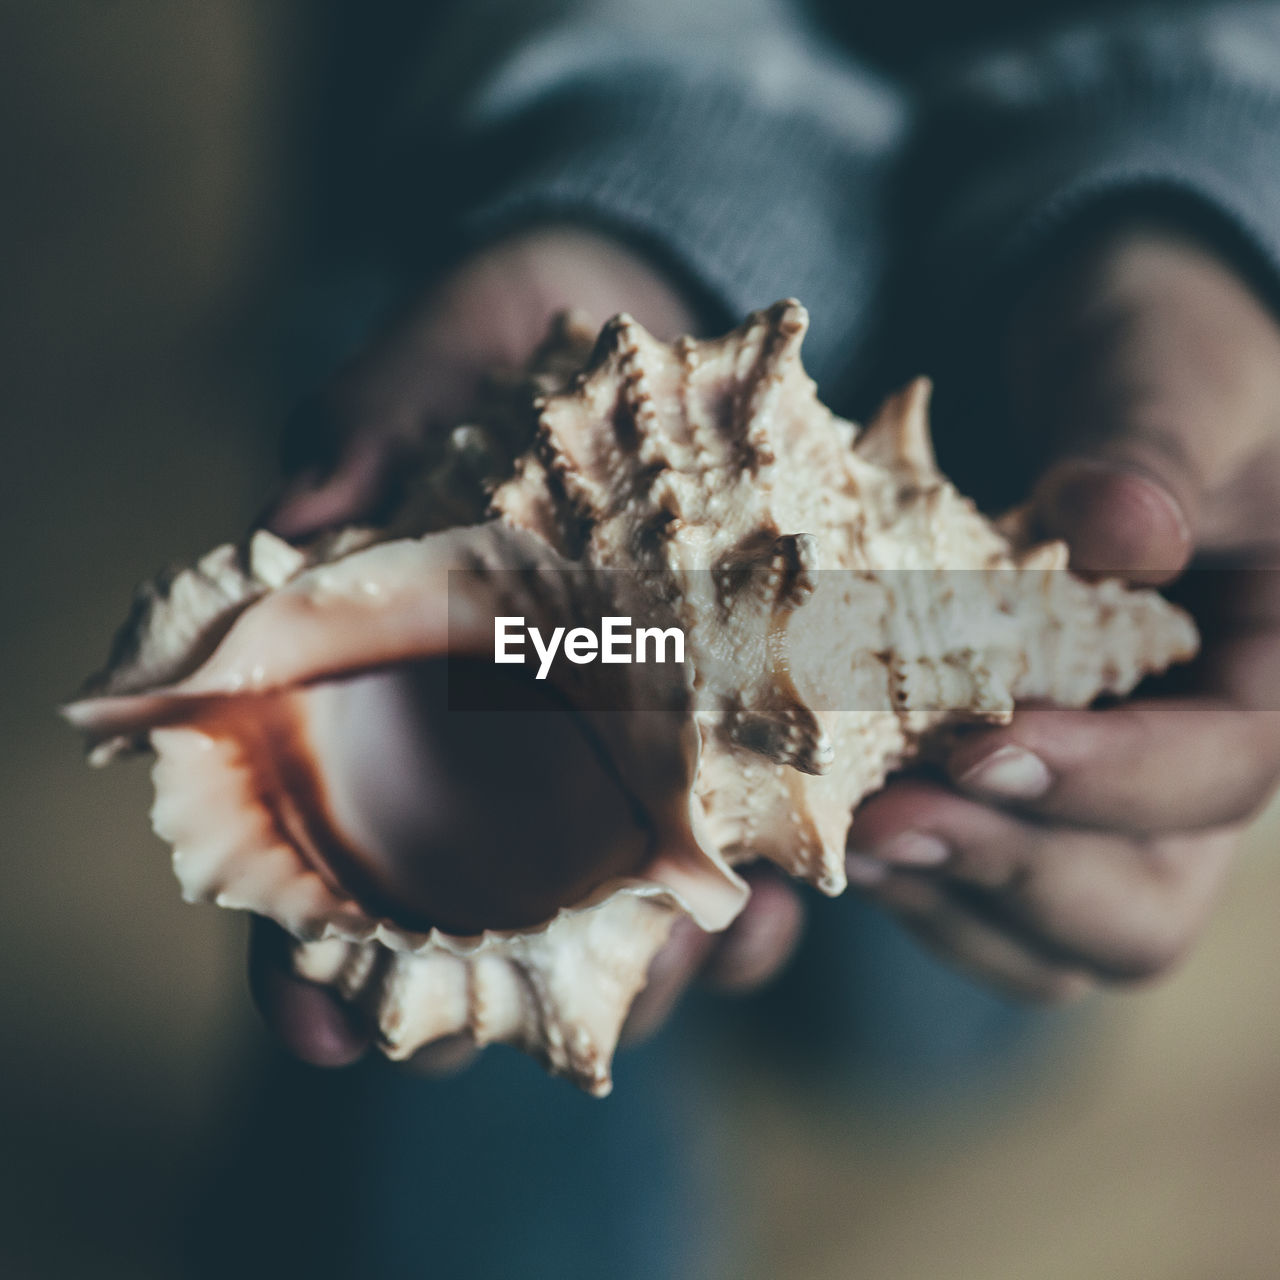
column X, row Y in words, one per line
column 756, row 156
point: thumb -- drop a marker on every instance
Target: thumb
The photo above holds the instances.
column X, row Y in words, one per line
column 1147, row 367
column 1118, row 518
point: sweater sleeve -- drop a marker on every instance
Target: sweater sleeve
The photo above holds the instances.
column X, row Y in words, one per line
column 1013, row 150
column 724, row 138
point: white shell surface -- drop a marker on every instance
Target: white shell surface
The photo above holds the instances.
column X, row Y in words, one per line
column 842, row 605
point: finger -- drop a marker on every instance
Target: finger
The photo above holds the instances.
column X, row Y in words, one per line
column 1146, row 766
column 761, row 940
column 1116, row 519
column 949, row 927
column 359, row 488
column 1123, row 908
column 309, row 1020
column 1147, row 367
column 672, row 971
column 445, row 1057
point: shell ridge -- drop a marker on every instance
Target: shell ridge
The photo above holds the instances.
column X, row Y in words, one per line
column 712, row 477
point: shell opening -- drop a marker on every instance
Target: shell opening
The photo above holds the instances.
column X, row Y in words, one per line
column 477, row 799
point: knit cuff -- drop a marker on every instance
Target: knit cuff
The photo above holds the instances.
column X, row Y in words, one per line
column 1206, row 147
column 744, row 204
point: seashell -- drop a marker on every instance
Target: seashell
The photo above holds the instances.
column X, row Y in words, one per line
column 842, row 608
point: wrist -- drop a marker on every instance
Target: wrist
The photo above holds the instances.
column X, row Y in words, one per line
column 509, row 291
column 491, row 311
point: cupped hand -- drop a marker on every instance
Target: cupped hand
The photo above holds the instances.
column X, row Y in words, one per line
column 344, row 452
column 1072, row 848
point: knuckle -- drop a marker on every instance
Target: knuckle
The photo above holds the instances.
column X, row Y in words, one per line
column 1257, row 785
column 993, row 867
column 1152, row 957
column 1250, row 806
column 1162, row 931
column 913, row 898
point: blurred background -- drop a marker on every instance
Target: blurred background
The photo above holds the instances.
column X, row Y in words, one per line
column 159, row 169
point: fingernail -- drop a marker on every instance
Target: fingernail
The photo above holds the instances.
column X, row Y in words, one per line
column 1010, row 773
column 863, row 870
column 913, row 849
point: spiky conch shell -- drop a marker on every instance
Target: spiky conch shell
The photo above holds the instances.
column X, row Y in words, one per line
column 712, row 472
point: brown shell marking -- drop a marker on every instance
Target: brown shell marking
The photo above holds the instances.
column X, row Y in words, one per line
column 842, row 605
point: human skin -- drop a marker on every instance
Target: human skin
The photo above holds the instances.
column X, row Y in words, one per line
column 418, row 376
column 1066, row 849
column 1072, row 848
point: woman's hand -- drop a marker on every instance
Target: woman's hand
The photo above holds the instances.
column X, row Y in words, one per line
column 343, row 453
column 421, row 374
column 1076, row 847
